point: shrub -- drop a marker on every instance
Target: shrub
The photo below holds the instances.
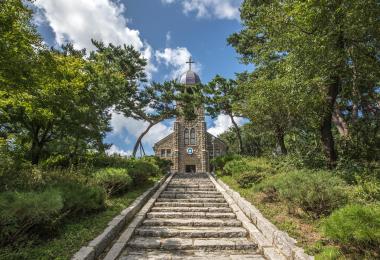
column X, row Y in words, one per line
column 329, row 253
column 316, row 192
column 246, row 179
column 103, row 161
column 268, row 187
column 355, row 225
column 28, row 212
column 80, row 198
column 219, row 162
column 113, row 180
column 235, row 167
column 140, row 171
column 248, row 171
column 367, row 190
column 163, row 165
column 248, row 164
column 55, row 161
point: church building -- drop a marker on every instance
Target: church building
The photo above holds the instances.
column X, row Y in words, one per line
column 190, row 147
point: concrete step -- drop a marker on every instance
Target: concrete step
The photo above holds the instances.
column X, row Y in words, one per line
column 192, row 222
column 206, row 244
column 190, row 232
column 190, row 215
column 191, row 209
column 190, row 204
column 200, row 200
column 132, row 254
column 189, row 196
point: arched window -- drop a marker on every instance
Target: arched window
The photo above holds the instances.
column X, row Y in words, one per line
column 187, row 137
column 192, row 136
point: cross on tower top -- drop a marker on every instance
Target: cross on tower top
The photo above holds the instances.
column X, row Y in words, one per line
column 190, row 62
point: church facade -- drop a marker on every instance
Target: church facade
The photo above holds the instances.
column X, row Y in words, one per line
column 190, row 147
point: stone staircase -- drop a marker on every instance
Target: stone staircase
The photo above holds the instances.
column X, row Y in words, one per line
column 190, row 220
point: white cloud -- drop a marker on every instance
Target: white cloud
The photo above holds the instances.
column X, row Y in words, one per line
column 135, row 127
column 221, row 9
column 168, row 38
column 175, row 60
column 79, row 21
column 116, row 150
column 223, row 123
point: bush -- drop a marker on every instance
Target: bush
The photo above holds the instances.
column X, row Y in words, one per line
column 55, row 161
column 269, row 188
column 329, row 253
column 163, row 165
column 248, row 164
column 316, row 192
column 248, row 171
column 246, row 179
column 357, row 226
column 28, row 212
column 367, row 190
column 80, row 198
column 140, row 171
column 104, row 161
column 236, row 167
column 219, row 162
column 113, row 180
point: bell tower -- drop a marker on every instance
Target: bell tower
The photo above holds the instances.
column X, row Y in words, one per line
column 189, row 138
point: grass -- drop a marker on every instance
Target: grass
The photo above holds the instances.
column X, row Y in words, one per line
column 300, row 227
column 74, row 233
column 303, row 228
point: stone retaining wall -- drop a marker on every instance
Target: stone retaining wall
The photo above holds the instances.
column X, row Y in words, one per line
column 116, row 225
column 270, row 235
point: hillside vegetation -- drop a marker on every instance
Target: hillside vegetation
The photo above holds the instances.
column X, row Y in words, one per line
column 329, row 214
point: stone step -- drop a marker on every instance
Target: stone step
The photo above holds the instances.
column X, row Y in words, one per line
column 189, row 196
column 190, row 209
column 192, row 192
column 191, row 185
column 132, row 254
column 192, row 222
column 206, row 244
column 190, row 232
column 190, row 215
column 190, row 189
column 200, row 200
column 190, row 204
column 190, row 180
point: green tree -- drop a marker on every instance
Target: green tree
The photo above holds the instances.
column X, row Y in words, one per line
column 156, row 103
column 18, row 44
column 257, row 141
column 221, row 94
column 60, row 101
column 329, row 46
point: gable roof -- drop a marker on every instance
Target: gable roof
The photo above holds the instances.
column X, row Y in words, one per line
column 163, row 140
column 220, row 140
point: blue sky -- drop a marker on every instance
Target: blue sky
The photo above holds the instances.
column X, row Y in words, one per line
column 167, row 32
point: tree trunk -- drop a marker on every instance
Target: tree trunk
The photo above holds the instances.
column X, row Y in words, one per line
column 138, row 141
column 326, row 123
column 280, row 138
column 237, row 129
column 340, row 124
column 35, row 151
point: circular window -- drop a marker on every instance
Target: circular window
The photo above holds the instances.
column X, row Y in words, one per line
column 190, row 150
